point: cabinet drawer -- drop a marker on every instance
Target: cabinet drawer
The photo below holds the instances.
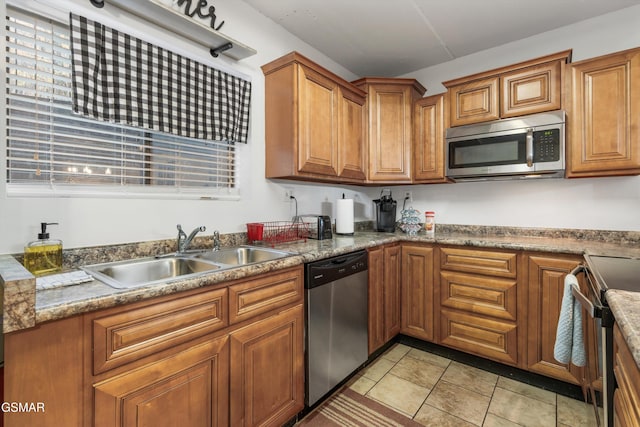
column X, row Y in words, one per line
column 501, row 264
column 479, row 294
column 132, row 334
column 493, row 339
column 254, row 297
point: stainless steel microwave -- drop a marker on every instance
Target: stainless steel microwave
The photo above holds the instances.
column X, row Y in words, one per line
column 523, row 147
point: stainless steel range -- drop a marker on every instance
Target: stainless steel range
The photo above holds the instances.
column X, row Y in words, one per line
column 605, row 273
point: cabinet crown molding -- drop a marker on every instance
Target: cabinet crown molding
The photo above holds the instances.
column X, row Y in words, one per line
column 563, row 55
column 390, row 80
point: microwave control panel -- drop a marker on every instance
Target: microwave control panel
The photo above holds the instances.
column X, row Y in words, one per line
column 546, row 145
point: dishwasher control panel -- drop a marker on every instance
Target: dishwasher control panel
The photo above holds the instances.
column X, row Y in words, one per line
column 330, row 269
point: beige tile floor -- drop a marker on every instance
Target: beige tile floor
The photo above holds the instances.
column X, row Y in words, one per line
column 436, row 391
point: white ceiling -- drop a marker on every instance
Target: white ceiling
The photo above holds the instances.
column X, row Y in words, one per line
column 395, row 37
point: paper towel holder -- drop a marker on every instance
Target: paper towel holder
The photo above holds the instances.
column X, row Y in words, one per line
column 344, row 216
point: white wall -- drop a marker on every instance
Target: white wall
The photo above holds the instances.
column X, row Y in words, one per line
column 92, row 221
column 612, row 203
column 594, row 203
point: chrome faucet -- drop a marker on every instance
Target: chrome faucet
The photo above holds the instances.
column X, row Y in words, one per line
column 183, row 240
column 216, row 240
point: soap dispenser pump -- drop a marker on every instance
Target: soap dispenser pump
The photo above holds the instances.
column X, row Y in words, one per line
column 43, row 256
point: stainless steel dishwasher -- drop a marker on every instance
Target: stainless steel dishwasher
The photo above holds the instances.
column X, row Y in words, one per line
column 336, row 321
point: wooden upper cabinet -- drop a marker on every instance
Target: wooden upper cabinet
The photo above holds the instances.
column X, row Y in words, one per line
column 430, row 123
column 524, row 88
column 318, row 123
column 314, row 123
column 531, row 90
column 389, row 111
column 351, row 136
column 604, row 116
column 474, row 102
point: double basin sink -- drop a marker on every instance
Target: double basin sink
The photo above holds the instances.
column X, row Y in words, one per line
column 145, row 271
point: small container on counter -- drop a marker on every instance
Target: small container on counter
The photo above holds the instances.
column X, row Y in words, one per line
column 43, row 256
column 430, row 223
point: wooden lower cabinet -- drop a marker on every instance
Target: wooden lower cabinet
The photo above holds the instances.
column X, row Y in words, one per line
column 384, row 295
column 418, row 291
column 189, row 388
column 44, row 364
column 175, row 360
column 546, row 273
column 481, row 307
column 267, row 370
column 626, row 399
column 490, row 338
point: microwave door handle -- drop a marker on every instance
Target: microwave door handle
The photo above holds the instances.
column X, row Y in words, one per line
column 529, row 147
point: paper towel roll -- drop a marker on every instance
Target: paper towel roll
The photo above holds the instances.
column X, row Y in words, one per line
column 344, row 216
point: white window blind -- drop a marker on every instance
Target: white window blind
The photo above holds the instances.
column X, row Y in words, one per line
column 50, row 150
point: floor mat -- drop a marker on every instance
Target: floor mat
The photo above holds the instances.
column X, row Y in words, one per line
column 349, row 408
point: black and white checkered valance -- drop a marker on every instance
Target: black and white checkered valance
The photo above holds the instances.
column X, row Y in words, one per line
column 122, row 79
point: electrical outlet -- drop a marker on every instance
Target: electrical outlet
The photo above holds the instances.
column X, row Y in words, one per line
column 408, row 196
column 288, row 194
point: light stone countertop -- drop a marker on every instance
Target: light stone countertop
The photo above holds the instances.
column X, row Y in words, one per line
column 625, row 307
column 77, row 299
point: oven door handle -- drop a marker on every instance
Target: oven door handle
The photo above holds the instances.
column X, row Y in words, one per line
column 584, row 301
column 577, row 294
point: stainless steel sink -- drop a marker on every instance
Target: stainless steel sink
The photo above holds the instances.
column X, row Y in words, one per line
column 128, row 274
column 241, row 255
column 145, row 271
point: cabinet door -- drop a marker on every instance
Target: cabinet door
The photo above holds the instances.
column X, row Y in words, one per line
column 390, row 109
column 428, row 140
column 317, row 123
column 546, row 288
column 189, row 388
column 417, row 291
column 392, row 268
column 351, row 158
column 384, row 295
column 531, row 90
column 627, row 375
column 376, row 299
column 604, row 116
column 474, row 102
column 267, row 370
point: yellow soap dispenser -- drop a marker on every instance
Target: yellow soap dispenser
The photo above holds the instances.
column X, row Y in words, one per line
column 43, row 256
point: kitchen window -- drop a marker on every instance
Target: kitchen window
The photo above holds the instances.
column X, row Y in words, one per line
column 52, row 151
